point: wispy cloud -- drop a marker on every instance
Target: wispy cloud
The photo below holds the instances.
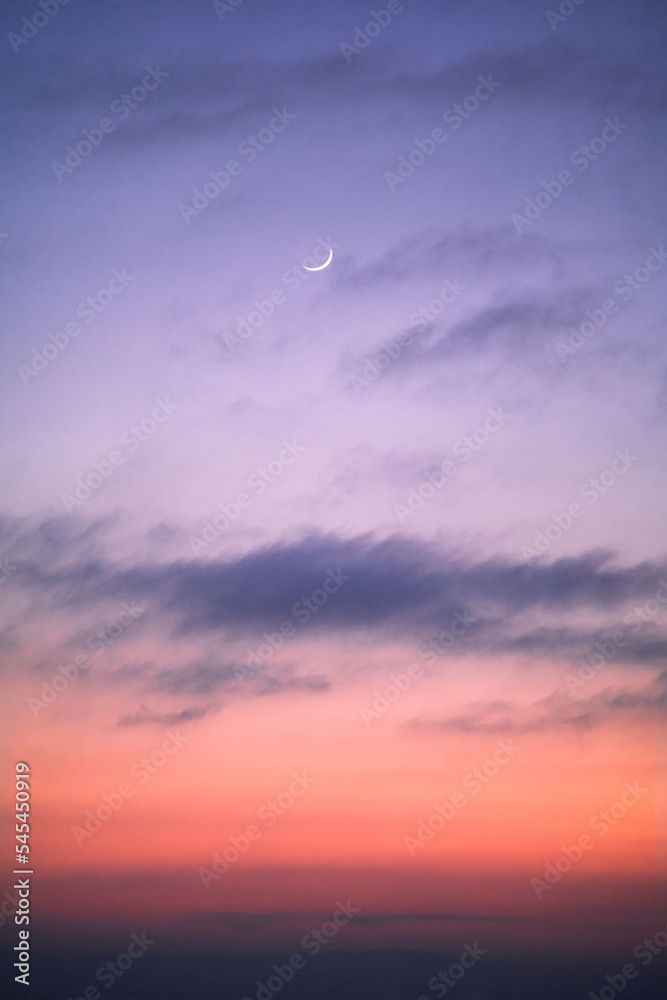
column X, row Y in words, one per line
column 553, row 712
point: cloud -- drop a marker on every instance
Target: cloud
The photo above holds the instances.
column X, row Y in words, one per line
column 432, row 252
column 502, row 330
column 210, row 683
column 204, row 93
column 551, row 71
column 390, row 590
column 394, row 918
column 571, row 643
column 555, row 711
column 143, row 716
column 491, row 320
column 395, row 586
column 262, row 921
column 395, row 589
column 266, row 684
column 198, row 678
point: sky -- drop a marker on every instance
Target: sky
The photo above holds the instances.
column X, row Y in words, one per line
column 332, row 536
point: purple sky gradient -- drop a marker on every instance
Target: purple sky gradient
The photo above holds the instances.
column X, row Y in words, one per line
column 350, row 445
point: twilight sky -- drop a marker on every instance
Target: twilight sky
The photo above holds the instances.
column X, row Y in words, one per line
column 252, row 503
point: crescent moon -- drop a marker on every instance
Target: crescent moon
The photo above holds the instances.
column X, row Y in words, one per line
column 322, row 266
